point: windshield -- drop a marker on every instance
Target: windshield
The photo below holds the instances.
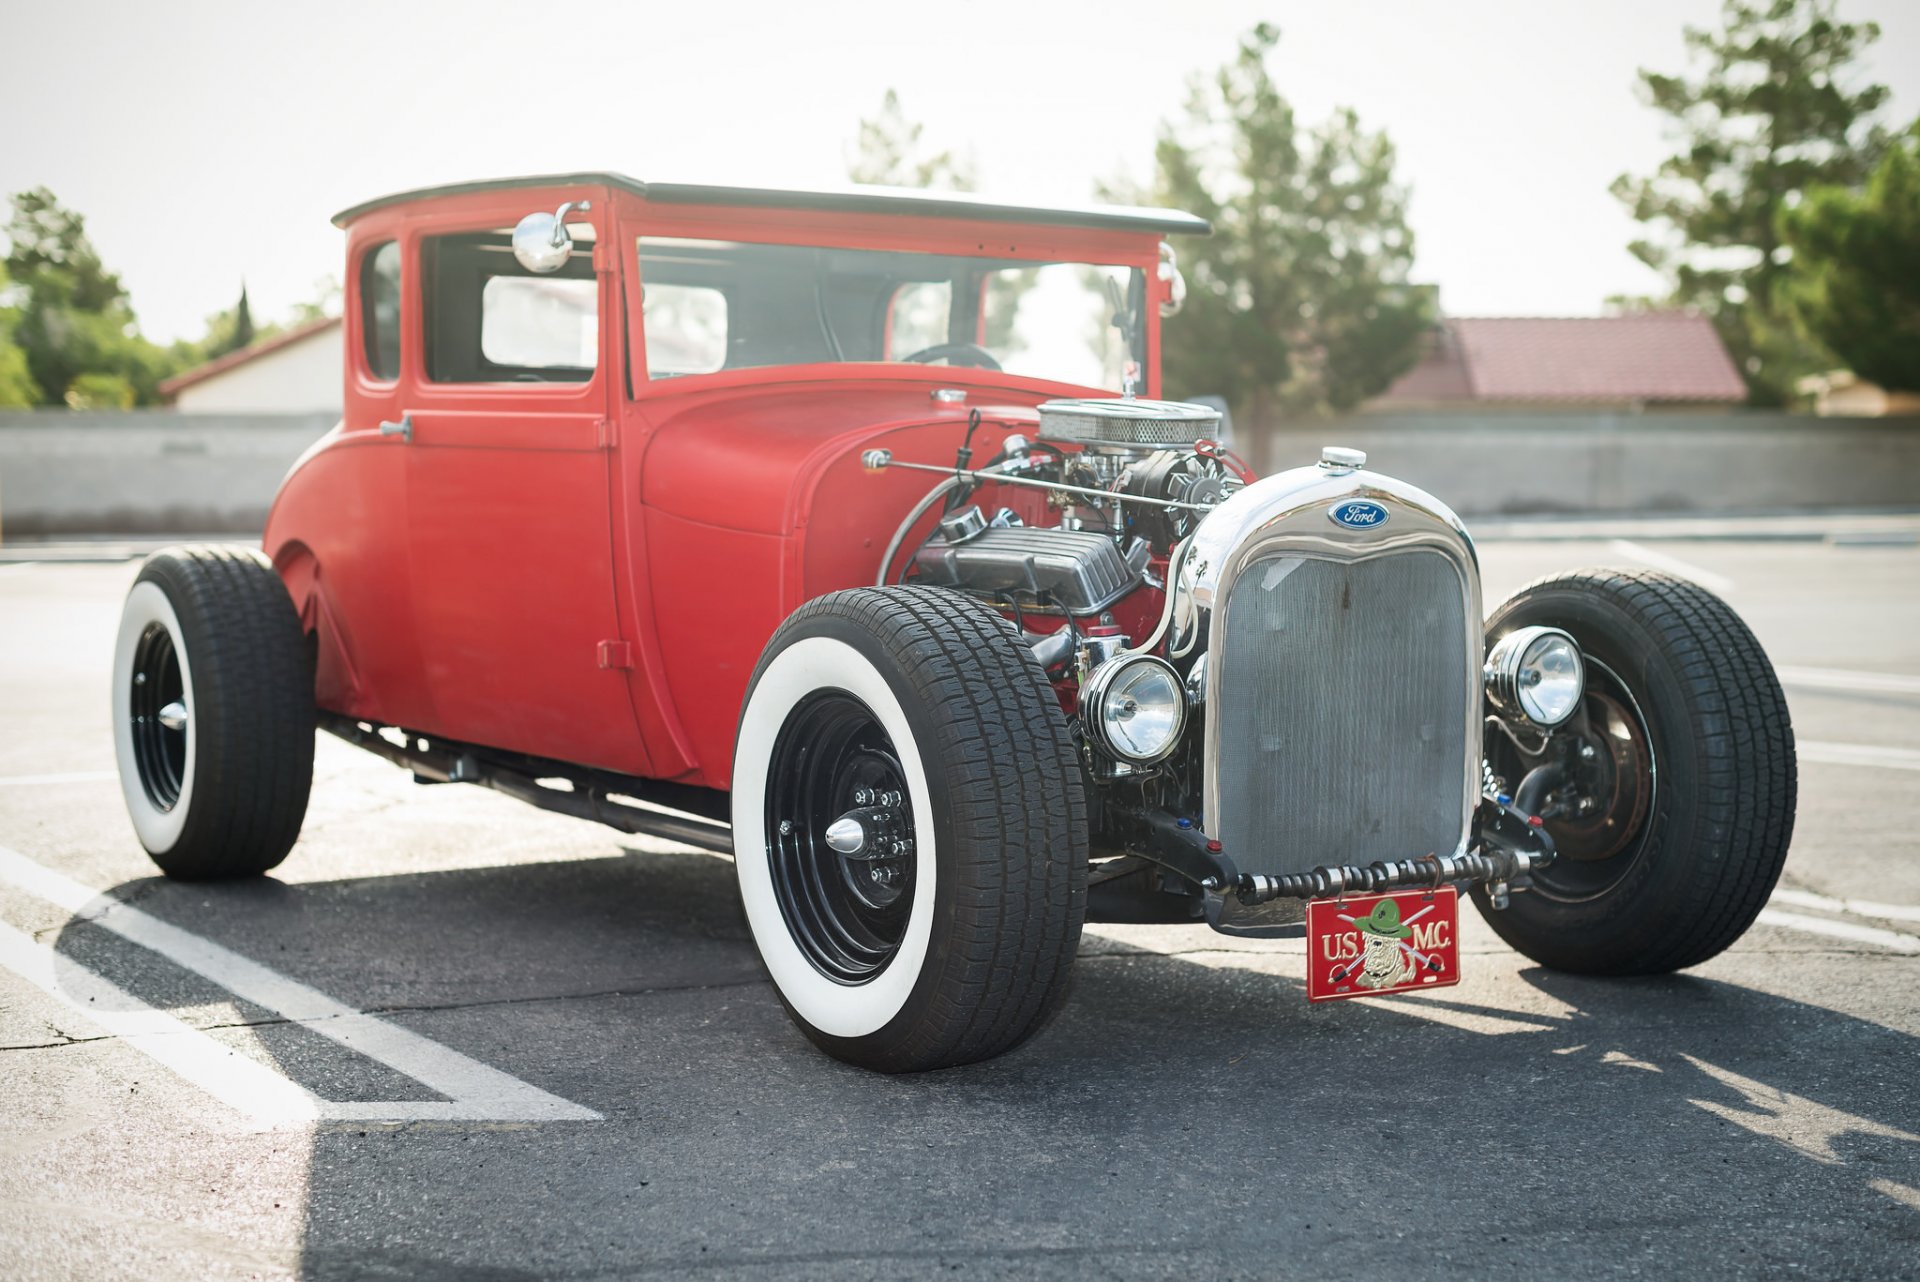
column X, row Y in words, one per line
column 712, row 305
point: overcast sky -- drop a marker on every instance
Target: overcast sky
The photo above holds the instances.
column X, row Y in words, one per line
column 206, row 142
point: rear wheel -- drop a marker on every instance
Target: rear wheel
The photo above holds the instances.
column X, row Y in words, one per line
column 909, row 829
column 213, row 714
column 1669, row 794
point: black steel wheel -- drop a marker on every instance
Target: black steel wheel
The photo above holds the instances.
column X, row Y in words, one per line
column 1670, row 794
column 848, row 911
column 909, row 829
column 159, row 716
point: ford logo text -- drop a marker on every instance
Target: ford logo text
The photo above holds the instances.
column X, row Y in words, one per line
column 1358, row 514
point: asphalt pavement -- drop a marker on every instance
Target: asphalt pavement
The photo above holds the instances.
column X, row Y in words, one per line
column 453, row 1037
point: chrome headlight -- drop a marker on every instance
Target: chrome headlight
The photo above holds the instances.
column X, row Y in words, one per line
column 1134, row 708
column 1536, row 673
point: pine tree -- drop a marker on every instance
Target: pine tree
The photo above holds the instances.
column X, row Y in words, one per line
column 1299, row 303
column 888, row 152
column 242, row 322
column 1769, row 115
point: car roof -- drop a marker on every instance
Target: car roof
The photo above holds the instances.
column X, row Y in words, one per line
column 850, row 200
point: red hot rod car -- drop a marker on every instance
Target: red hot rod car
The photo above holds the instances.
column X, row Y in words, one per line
column 846, row 534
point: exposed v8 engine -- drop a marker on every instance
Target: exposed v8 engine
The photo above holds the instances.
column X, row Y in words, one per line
column 1212, row 639
column 1132, row 482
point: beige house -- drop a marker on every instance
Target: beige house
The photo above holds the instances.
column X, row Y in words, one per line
column 298, row 372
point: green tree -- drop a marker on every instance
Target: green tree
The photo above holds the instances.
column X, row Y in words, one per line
column 229, row 330
column 242, row 321
column 95, row 391
column 74, row 317
column 50, row 254
column 1769, row 115
column 1299, row 303
column 1855, row 272
column 888, row 152
column 233, row 328
column 17, row 388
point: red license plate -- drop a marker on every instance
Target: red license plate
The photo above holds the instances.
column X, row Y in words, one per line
column 1369, row 945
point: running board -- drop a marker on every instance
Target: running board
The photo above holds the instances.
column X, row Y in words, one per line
column 650, row 810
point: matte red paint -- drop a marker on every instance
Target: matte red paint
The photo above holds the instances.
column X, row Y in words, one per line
column 466, row 583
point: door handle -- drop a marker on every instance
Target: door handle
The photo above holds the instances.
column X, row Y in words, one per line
column 403, row 429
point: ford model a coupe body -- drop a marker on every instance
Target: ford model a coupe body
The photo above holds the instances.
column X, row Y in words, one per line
column 848, row 534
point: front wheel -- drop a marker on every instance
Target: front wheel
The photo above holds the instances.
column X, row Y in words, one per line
column 1669, row 794
column 909, row 829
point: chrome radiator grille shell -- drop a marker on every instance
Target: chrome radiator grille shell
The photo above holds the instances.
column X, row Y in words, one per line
column 1343, row 679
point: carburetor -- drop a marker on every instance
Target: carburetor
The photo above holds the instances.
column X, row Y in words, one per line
column 1142, row 449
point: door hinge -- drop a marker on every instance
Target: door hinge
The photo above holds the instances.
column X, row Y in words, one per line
column 606, row 434
column 616, row 654
column 602, row 257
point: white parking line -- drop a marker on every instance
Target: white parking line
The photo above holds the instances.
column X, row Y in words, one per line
column 1858, row 907
column 220, row 1071
column 1671, row 564
column 475, row 1091
column 69, row 776
column 1848, row 679
column 1893, row 939
column 1858, row 754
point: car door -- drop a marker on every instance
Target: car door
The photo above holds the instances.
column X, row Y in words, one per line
column 510, row 541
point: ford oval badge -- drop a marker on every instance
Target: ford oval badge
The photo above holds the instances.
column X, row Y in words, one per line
column 1358, row 514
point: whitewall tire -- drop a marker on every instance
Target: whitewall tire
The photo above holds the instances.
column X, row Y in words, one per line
column 213, row 713
column 916, row 724
column 151, row 668
column 835, row 1007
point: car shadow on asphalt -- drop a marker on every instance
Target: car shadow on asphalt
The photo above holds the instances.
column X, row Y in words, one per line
column 1181, row 1115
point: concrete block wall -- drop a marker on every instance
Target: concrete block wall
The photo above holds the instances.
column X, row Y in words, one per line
column 1521, row 464
column 162, row 472
column 145, row 471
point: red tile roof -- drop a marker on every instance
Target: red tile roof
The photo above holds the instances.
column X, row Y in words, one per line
column 1654, row 356
column 220, row 365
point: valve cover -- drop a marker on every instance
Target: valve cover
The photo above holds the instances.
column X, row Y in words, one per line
column 1079, row 571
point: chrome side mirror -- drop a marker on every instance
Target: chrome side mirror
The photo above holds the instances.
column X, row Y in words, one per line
column 540, row 241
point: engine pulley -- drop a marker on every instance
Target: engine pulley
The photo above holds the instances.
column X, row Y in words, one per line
column 1182, row 476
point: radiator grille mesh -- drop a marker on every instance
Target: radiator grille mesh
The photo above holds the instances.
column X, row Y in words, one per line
column 1341, row 703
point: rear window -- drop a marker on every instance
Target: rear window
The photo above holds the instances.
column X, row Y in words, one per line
column 380, row 310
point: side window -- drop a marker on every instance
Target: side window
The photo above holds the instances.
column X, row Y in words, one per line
column 686, row 327
column 538, row 322
column 486, row 320
column 380, row 310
